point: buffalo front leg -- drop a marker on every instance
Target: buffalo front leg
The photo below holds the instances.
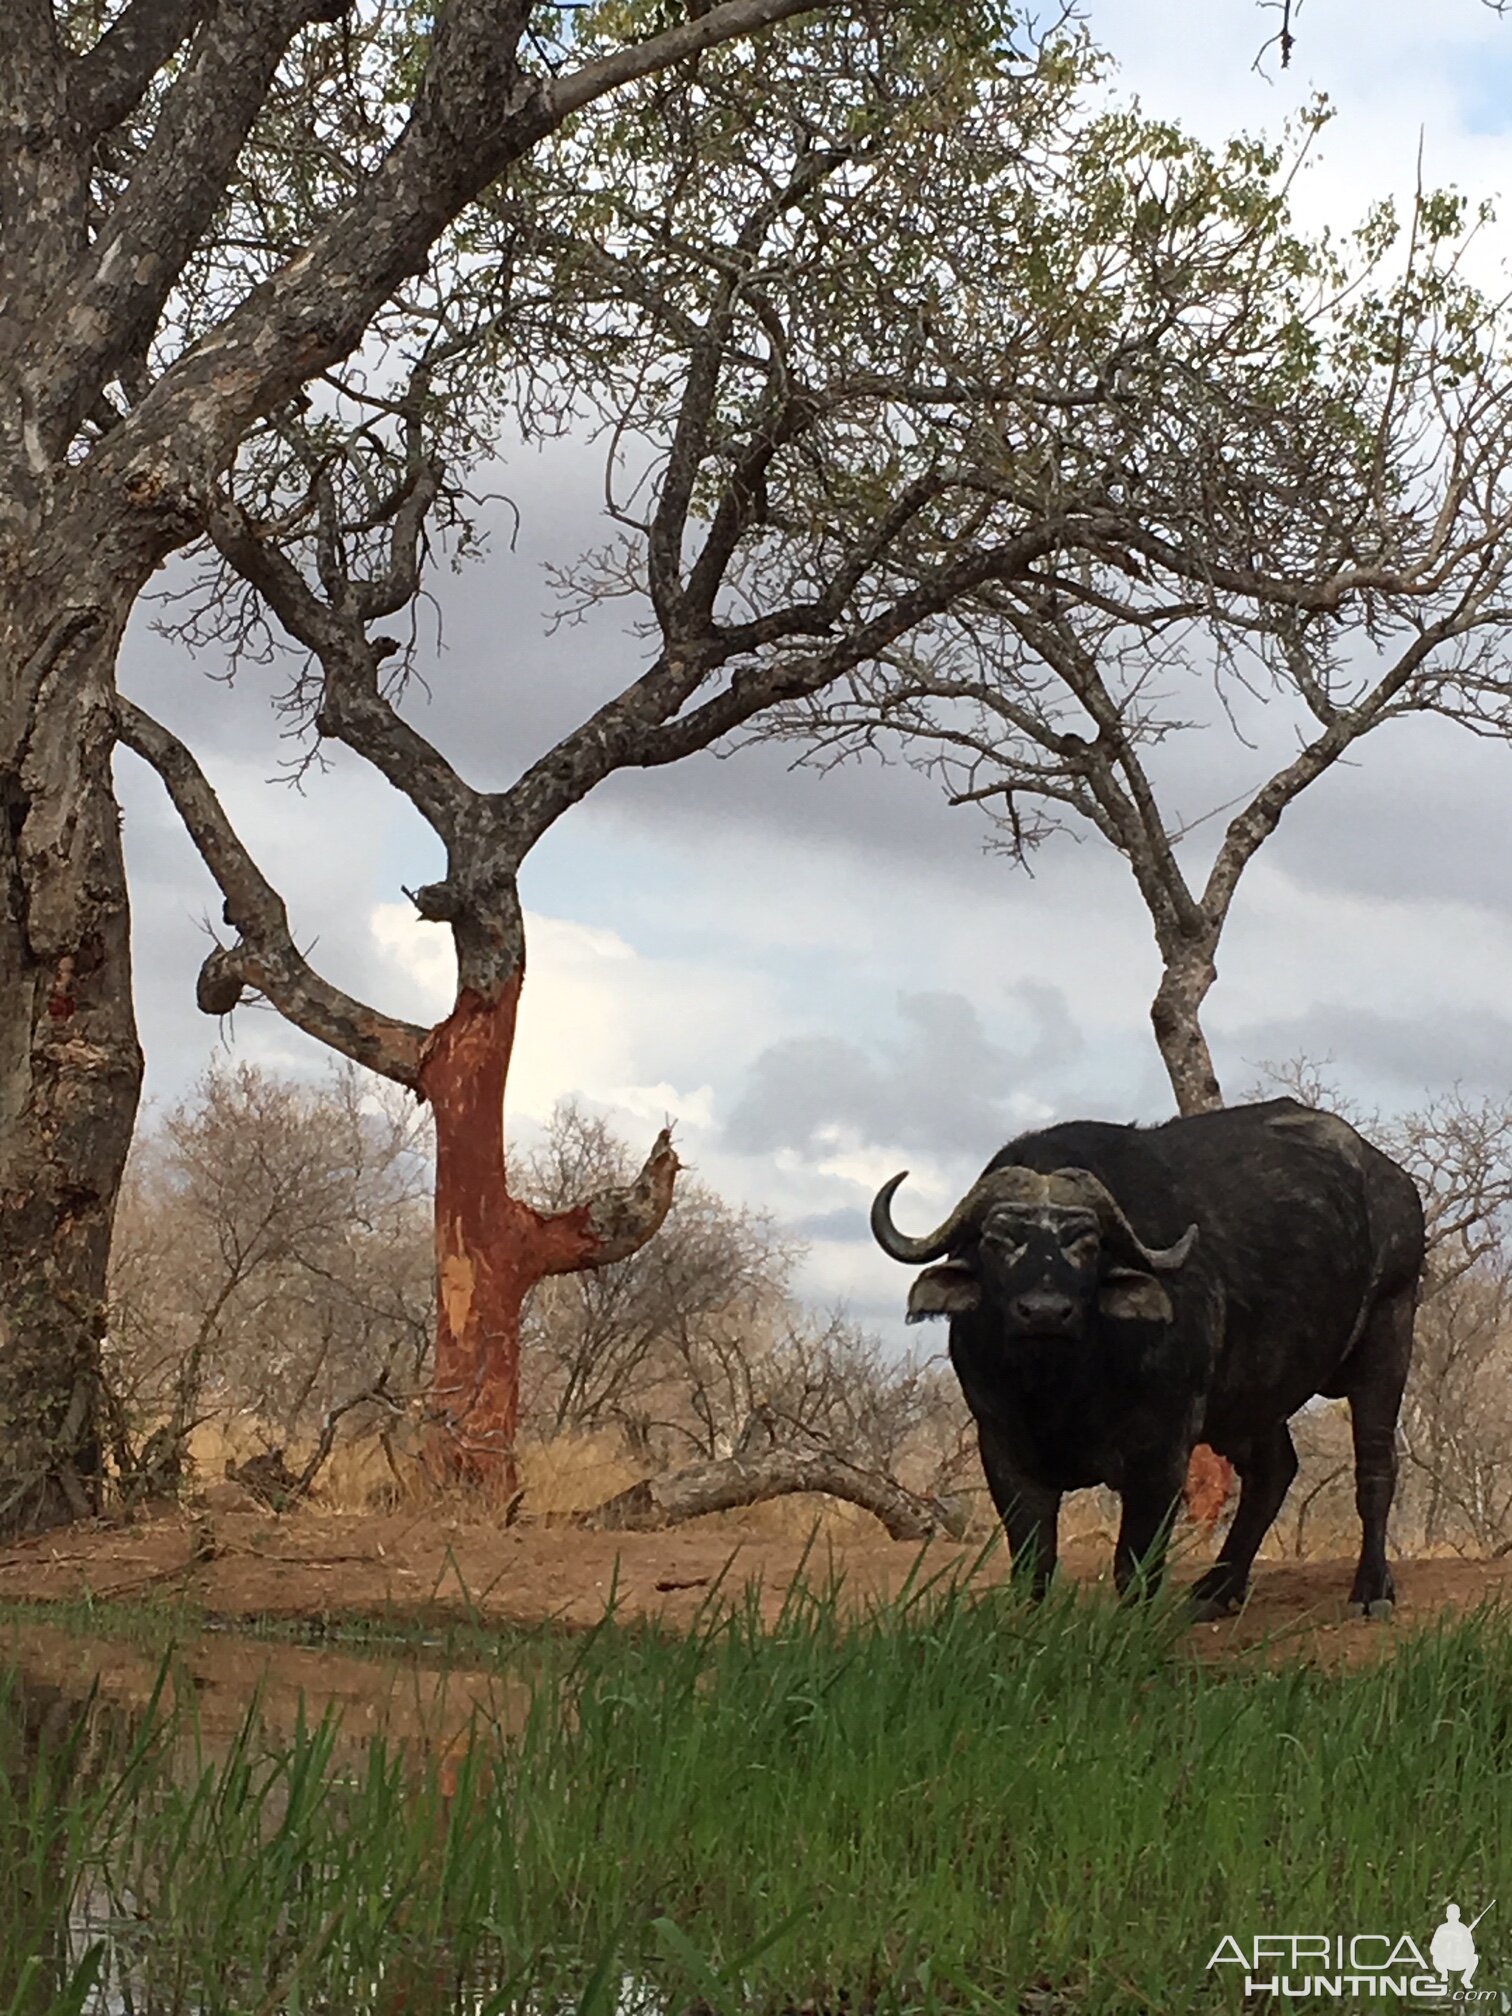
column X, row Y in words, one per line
column 1030, row 1513
column 1375, row 1400
column 1151, row 1496
column 1266, row 1468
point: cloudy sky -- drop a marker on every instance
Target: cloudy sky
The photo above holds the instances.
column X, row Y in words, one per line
column 826, row 979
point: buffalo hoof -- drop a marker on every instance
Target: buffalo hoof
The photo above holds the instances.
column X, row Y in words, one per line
column 1209, row 1609
column 1377, row 1612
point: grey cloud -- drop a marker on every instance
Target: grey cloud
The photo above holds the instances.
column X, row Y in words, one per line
column 799, row 1085
column 1426, row 815
column 1392, row 1057
column 943, row 1082
column 1057, row 1041
column 845, row 1227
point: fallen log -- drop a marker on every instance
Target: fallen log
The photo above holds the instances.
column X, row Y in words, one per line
column 725, row 1484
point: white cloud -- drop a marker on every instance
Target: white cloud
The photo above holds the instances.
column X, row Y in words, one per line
column 598, row 1020
column 1290, row 948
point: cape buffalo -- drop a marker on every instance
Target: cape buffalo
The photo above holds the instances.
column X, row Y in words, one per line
column 1118, row 1294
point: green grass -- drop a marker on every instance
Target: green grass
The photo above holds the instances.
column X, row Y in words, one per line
column 954, row 1803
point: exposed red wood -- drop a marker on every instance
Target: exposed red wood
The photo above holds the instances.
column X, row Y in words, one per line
column 1209, row 1481
column 491, row 1249
column 485, row 1262
column 616, row 1223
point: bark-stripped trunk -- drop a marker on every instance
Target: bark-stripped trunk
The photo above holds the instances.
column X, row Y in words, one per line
column 484, row 1265
column 1209, row 1480
column 70, row 1065
column 491, row 1249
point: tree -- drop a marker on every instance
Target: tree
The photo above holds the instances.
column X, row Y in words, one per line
column 697, row 1346
column 603, row 1346
column 1348, row 434
column 204, row 206
column 1455, row 1416
column 1456, row 1429
column 902, row 340
column 272, row 1266
column 271, row 1260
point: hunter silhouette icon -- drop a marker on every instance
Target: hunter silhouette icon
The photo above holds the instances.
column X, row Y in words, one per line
column 1453, row 1947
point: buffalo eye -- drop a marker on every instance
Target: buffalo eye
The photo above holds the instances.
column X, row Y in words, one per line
column 1083, row 1249
column 1005, row 1249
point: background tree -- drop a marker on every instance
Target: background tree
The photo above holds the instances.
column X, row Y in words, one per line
column 898, row 341
column 598, row 1345
column 1456, row 1483
column 1456, row 1427
column 204, row 205
column 697, row 1345
column 272, row 1260
column 1348, row 434
column 271, row 1284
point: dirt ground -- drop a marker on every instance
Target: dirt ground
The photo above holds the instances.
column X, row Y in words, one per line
column 233, row 1566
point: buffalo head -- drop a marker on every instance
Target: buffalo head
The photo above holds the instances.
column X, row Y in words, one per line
column 1040, row 1251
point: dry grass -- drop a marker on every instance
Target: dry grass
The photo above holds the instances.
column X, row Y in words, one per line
column 572, row 1473
column 371, row 1471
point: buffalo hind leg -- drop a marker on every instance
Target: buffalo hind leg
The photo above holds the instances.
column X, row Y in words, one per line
column 1375, row 1400
column 1266, row 1468
column 1030, row 1514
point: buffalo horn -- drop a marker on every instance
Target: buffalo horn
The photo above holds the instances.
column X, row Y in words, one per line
column 998, row 1186
column 1087, row 1190
column 1015, row 1185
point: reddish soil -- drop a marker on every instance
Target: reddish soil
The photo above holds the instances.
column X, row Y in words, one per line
column 236, row 1565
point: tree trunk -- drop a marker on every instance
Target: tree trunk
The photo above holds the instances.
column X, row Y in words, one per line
column 1176, row 1014
column 735, row 1481
column 1309, row 1498
column 484, row 1266
column 70, row 1065
column 491, row 1250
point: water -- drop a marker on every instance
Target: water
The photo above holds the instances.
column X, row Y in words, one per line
column 218, row 1712
column 423, row 1703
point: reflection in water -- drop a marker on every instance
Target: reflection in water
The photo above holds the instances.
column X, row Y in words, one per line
column 219, row 1677
column 59, row 1748
column 116, row 1766
column 40, row 1729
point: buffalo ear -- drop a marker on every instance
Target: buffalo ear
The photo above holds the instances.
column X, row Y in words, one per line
column 1129, row 1296
column 951, row 1289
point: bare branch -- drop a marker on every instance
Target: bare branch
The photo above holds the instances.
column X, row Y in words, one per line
column 353, row 707
column 265, row 957
column 723, row 1484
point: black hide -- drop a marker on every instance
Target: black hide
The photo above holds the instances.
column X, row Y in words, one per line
column 1302, row 1280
